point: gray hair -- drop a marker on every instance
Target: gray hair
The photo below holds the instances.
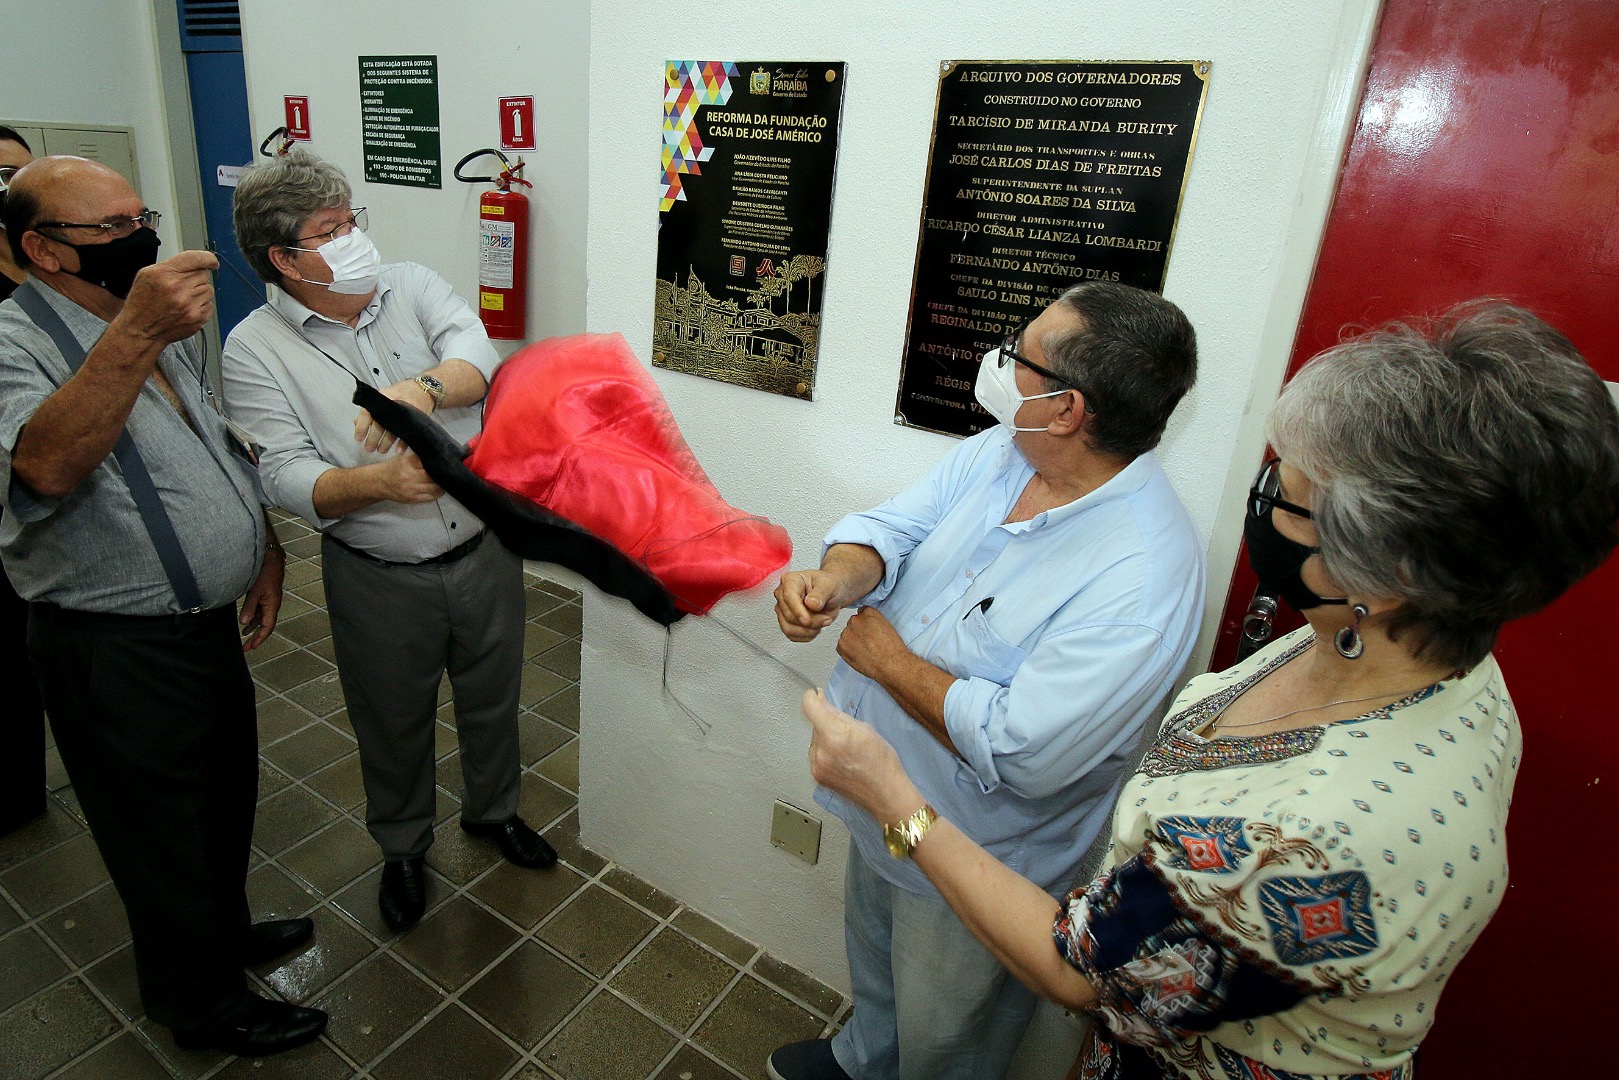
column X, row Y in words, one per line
column 1134, row 359
column 275, row 198
column 1468, row 467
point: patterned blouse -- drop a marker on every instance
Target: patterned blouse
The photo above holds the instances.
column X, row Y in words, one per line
column 1288, row 906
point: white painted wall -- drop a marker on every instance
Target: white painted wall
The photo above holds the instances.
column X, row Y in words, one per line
column 93, row 62
column 486, row 49
column 687, row 805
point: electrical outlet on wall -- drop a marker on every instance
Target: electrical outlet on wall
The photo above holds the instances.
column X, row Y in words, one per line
column 796, row 832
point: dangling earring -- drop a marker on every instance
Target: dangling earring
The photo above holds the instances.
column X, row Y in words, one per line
column 1347, row 640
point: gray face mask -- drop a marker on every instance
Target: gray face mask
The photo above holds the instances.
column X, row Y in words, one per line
column 996, row 390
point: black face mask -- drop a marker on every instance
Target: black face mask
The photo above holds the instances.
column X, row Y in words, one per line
column 1279, row 562
column 113, row 265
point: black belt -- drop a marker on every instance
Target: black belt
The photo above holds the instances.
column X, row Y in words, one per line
column 55, row 613
column 455, row 554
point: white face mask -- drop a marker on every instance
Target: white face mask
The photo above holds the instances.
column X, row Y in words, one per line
column 996, row 390
column 355, row 262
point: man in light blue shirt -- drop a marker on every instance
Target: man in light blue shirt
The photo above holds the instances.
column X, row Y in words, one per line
column 1024, row 610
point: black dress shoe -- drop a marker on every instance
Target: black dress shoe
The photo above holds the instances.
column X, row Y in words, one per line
column 811, row 1059
column 403, row 897
column 264, row 941
column 264, row 1027
column 519, row 843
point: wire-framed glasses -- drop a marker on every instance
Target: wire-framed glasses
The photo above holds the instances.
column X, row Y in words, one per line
column 114, row 228
column 355, row 220
column 1009, row 352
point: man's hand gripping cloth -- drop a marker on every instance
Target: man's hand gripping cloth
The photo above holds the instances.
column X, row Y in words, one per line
column 580, row 463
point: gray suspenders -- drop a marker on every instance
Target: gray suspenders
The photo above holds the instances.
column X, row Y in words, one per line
column 128, row 456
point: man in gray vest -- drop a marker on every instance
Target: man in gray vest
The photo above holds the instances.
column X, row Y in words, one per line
column 132, row 525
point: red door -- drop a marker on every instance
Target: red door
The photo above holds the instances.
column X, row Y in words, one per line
column 1485, row 161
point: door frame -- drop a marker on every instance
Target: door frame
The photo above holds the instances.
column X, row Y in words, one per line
column 1324, row 160
column 175, row 92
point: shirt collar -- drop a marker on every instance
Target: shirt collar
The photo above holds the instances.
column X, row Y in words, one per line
column 1126, row 482
column 299, row 315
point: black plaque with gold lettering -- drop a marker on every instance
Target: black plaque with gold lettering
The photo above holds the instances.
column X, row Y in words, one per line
column 749, row 151
column 1043, row 174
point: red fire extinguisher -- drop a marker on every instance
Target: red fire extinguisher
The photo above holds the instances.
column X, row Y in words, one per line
column 502, row 248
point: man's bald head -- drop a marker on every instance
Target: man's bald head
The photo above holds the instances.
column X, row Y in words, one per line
column 62, row 188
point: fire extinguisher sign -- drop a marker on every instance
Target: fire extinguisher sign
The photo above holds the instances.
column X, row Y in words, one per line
column 517, row 124
column 497, row 251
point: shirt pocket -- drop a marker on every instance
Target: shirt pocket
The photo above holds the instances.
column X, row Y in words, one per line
column 980, row 653
column 402, row 355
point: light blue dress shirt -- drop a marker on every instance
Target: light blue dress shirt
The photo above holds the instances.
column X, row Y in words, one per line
column 1095, row 608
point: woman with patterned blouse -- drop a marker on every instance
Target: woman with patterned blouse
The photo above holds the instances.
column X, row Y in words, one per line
column 1316, row 837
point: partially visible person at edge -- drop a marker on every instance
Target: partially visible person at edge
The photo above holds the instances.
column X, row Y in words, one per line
column 416, row 586
column 133, row 523
column 22, row 773
column 1317, row 835
column 1024, row 610
column 14, row 154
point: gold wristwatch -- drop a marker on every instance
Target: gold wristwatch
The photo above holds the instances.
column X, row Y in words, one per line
column 434, row 388
column 902, row 836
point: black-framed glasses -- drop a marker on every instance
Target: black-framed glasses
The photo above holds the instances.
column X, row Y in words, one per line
column 1265, row 495
column 115, row 229
column 1009, row 352
column 355, row 220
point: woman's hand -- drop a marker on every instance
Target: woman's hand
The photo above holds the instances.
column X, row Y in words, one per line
column 1010, row 914
column 853, row 760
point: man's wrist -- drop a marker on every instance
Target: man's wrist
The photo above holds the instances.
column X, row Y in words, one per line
column 140, row 335
column 433, row 388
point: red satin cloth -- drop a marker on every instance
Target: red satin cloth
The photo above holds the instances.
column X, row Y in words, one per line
column 577, row 425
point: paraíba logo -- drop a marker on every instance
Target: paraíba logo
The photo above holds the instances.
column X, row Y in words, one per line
column 796, row 82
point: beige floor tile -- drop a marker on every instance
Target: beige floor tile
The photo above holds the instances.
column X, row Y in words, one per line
column 595, row 930
column 608, row 1040
column 452, row 1044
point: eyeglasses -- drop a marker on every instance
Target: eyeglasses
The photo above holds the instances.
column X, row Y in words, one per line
column 6, row 173
column 116, row 229
column 355, row 220
column 1009, row 352
column 1264, row 496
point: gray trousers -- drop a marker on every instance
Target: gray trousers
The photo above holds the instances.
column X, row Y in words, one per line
column 395, row 631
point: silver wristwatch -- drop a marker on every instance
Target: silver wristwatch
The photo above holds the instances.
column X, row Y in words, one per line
column 434, row 388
